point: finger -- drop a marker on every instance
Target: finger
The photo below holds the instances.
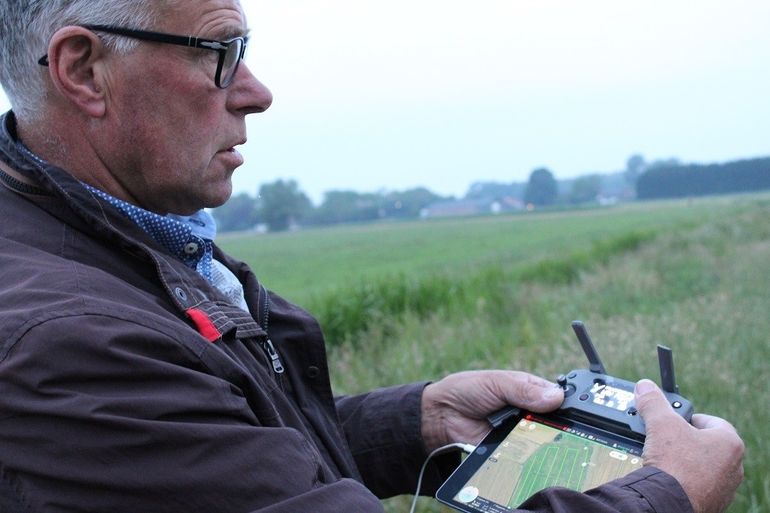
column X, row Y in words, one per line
column 534, row 380
column 703, row 421
column 520, row 378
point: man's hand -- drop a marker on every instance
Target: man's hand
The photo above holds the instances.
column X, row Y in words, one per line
column 455, row 408
column 705, row 457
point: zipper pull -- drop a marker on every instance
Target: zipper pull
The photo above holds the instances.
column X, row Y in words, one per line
column 274, row 357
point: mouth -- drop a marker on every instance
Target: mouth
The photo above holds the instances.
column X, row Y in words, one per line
column 231, row 155
column 234, row 147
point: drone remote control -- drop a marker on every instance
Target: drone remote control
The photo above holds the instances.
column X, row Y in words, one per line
column 596, row 398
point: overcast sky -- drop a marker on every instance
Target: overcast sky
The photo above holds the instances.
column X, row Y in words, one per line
column 443, row 93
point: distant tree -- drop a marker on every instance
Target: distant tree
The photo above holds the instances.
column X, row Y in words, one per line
column 669, row 162
column 585, row 189
column 346, row 207
column 350, row 206
column 409, row 203
column 239, row 213
column 282, row 204
column 542, row 189
column 635, row 166
column 661, row 181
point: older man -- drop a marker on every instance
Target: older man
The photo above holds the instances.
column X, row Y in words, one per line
column 141, row 369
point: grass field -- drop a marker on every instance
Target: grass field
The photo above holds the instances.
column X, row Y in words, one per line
column 302, row 265
column 501, row 291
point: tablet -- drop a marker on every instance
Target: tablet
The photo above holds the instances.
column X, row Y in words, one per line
column 530, row 452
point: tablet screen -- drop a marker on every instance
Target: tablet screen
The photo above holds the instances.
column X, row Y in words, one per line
column 532, row 452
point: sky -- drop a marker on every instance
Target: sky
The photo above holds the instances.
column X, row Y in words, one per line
column 380, row 96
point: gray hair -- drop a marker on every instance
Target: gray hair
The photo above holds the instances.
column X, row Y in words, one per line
column 26, row 27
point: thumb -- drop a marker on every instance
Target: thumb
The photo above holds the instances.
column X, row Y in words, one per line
column 531, row 392
column 652, row 404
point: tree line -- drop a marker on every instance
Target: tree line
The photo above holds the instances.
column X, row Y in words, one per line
column 281, row 205
column 700, row 180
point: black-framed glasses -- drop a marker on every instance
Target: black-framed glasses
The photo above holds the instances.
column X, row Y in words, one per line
column 230, row 51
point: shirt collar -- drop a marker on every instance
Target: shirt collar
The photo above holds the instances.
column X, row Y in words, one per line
column 189, row 238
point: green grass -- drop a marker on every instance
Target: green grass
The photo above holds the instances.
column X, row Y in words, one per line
column 309, row 263
column 695, row 276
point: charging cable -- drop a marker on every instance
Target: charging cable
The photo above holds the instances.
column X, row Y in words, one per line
column 468, row 448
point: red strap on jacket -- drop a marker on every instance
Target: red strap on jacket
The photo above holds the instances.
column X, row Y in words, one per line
column 205, row 327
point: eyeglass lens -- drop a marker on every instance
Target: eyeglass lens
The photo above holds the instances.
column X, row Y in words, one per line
column 230, row 61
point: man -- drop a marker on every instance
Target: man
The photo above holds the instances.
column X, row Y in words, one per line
column 141, row 369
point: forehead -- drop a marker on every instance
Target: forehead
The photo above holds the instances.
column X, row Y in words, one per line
column 215, row 19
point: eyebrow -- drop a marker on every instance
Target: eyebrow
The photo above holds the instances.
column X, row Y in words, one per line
column 231, row 33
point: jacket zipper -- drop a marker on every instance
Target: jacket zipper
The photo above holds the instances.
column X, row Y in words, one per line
column 274, row 356
column 267, row 344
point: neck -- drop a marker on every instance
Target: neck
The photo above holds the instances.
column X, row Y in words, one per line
column 67, row 142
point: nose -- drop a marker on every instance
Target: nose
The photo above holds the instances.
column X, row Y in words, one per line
column 247, row 94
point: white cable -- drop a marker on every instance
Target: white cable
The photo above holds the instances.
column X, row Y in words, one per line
column 468, row 448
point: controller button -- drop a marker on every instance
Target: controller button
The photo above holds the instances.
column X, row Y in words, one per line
column 572, row 375
column 569, row 390
column 632, row 411
column 583, row 397
column 676, row 404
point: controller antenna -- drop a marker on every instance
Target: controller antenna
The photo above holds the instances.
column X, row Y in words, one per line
column 667, row 376
column 595, row 363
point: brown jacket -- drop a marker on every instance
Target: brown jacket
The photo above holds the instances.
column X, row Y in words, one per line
column 127, row 383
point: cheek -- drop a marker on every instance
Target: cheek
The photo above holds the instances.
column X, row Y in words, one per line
column 174, row 122
column 182, row 133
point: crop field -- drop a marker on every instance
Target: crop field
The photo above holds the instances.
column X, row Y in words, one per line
column 411, row 301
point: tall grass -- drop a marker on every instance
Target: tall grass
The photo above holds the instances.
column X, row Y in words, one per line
column 348, row 311
column 695, row 276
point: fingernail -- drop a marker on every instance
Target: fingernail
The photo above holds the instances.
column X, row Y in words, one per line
column 553, row 393
column 644, row 386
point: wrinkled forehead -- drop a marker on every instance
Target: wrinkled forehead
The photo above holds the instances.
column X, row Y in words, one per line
column 216, row 19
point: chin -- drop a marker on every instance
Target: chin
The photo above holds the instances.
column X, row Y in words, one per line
column 219, row 199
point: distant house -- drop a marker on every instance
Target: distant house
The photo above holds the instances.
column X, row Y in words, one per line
column 460, row 208
column 509, row 204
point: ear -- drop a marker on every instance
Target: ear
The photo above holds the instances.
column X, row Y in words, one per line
column 77, row 69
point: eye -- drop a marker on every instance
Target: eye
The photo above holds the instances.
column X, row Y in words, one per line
column 209, row 56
